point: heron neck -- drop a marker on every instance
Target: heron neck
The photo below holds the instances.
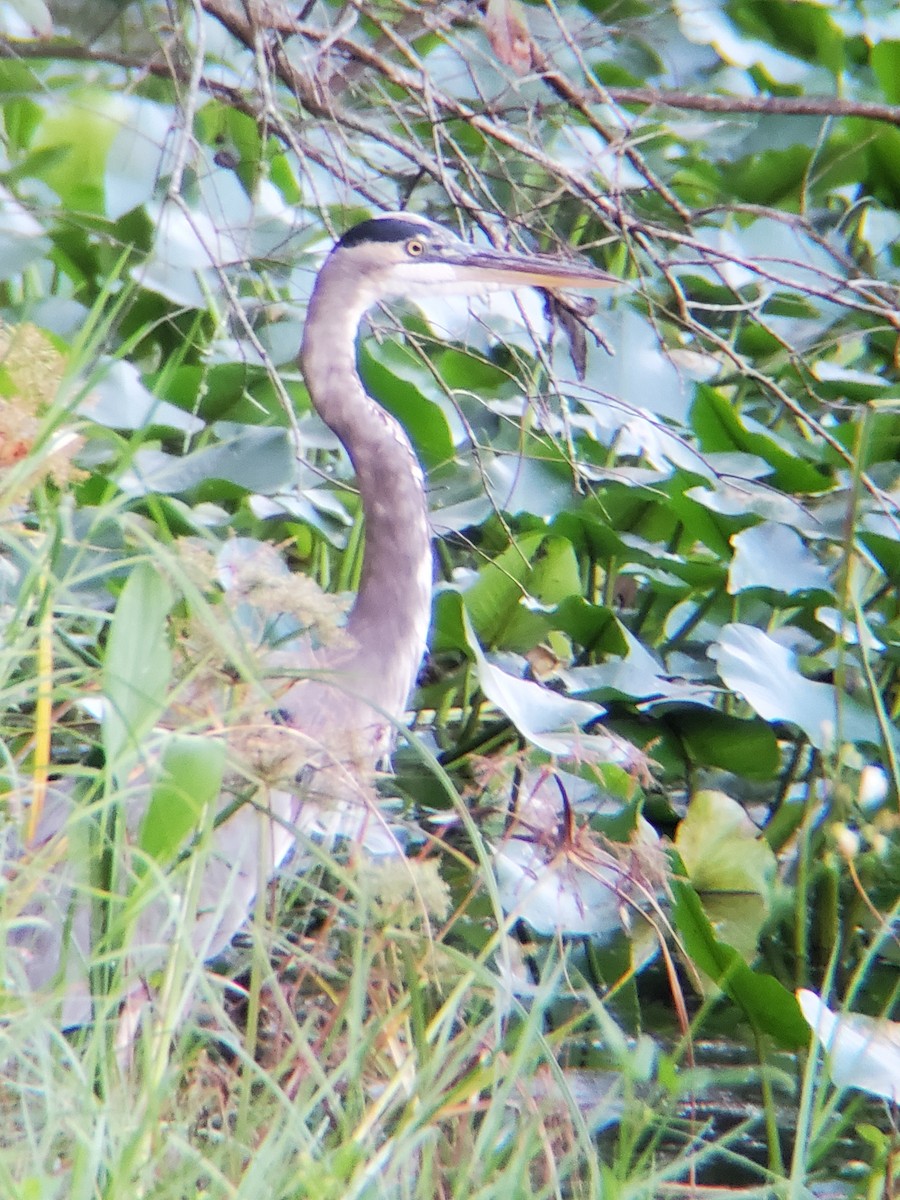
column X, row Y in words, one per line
column 389, row 619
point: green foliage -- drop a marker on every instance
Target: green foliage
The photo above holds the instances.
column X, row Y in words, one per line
column 766, row 1004
column 720, row 848
column 137, row 667
column 191, row 770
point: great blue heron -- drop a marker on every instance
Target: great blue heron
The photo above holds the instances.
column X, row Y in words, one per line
column 343, row 718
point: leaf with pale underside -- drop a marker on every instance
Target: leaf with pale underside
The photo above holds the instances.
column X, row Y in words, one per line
column 862, row 1052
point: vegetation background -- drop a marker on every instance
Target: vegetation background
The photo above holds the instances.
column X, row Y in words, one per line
column 678, row 506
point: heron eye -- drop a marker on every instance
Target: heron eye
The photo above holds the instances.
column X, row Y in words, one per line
column 415, row 248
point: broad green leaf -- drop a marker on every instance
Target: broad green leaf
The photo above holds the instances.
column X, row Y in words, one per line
column 189, row 779
column 738, row 919
column 556, row 573
column 590, row 625
column 885, row 148
column 137, row 665
column 137, row 158
column 470, row 372
column 522, row 484
column 448, row 630
column 719, row 426
column 406, row 389
column 699, row 523
column 36, row 13
column 745, row 498
column 186, row 247
column 120, row 400
column 747, row 748
column 886, row 549
column 767, row 1005
column 721, row 847
column 846, row 383
column 763, row 672
column 632, row 671
column 881, row 441
column 533, row 709
column 641, row 376
column 885, row 60
column 546, row 718
column 773, row 556
column 83, row 131
column 772, row 177
column 491, row 601
column 256, row 459
column 555, row 577
column 714, row 27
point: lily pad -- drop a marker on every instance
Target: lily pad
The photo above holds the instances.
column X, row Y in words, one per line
column 722, row 849
column 771, row 555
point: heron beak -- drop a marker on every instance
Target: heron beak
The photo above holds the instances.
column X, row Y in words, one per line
column 495, row 268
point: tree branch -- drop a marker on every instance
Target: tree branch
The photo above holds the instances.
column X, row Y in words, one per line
column 793, row 106
column 242, row 28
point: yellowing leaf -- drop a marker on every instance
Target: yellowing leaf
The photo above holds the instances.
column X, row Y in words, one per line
column 722, row 849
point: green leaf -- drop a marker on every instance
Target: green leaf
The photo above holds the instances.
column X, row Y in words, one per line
column 641, row 376
column 747, row 748
column 886, row 549
column 467, row 372
column 770, row 555
column 541, row 487
column 132, row 175
column 190, row 778
column 491, row 601
column 137, row 666
column 83, row 131
column 628, row 669
column 767, row 1005
column 885, row 60
column 588, row 624
column 555, row 578
column 772, row 177
column 847, row 383
column 258, row 460
column 406, row 388
column 119, row 399
column 862, row 1052
column 556, row 574
column 720, row 427
column 763, row 672
column 722, row 849
column 743, row 498
column 533, row 709
column 544, row 717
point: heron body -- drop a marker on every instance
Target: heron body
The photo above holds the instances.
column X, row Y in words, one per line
column 344, row 716
column 397, row 254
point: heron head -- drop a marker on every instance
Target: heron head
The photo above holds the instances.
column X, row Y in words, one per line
column 402, row 254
